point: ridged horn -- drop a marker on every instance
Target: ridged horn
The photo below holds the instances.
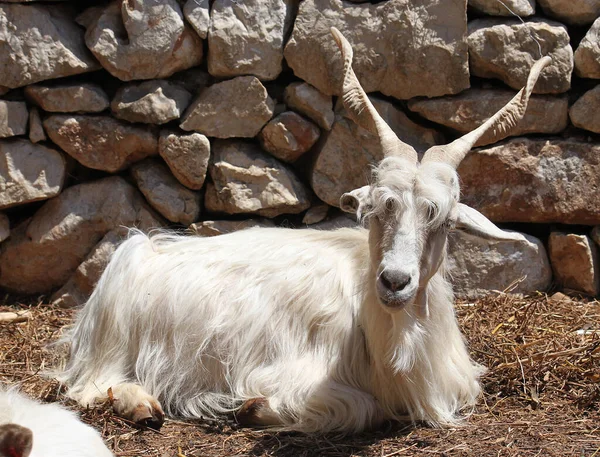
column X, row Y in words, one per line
column 494, row 129
column 362, row 110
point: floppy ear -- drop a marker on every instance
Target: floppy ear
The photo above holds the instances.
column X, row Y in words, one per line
column 356, row 201
column 473, row 222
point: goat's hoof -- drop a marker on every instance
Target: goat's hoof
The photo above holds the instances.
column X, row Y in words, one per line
column 256, row 412
column 15, row 441
column 148, row 416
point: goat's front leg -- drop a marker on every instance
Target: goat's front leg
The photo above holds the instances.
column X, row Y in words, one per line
column 257, row 412
column 132, row 402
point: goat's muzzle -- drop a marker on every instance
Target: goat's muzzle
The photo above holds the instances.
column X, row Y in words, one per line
column 396, row 288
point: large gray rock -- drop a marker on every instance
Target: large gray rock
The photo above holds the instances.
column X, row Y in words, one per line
column 479, row 267
column 307, row 100
column 29, row 173
column 288, row 136
column 346, row 153
column 214, row 228
column 13, row 118
column 39, row 42
column 585, row 113
column 400, row 46
column 36, row 128
column 587, row 54
column 575, row 262
column 68, row 98
column 574, row 12
column 43, row 252
column 245, row 180
column 197, row 13
column 247, row 38
column 471, row 108
column 81, row 284
column 4, row 227
column 141, row 39
column 150, row 102
column 534, row 180
column 187, row 156
column 505, row 49
column 164, row 193
column 496, row 8
column 239, row 107
column 101, row 142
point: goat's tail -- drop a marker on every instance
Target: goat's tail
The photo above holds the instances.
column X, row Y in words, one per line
column 99, row 340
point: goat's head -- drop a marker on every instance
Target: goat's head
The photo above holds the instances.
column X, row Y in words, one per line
column 411, row 206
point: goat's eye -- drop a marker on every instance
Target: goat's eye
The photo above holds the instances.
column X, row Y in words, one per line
column 432, row 211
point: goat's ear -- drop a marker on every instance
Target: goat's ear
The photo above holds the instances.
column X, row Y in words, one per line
column 473, row 222
column 356, row 201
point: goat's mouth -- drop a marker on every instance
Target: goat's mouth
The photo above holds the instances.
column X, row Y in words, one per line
column 395, row 301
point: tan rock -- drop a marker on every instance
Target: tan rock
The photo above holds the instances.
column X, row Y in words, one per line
column 39, row 42
column 123, row 36
column 44, row 251
column 68, row 98
column 346, row 153
column 316, row 214
column 584, row 113
column 245, row 180
column 479, row 267
column 101, row 142
column 574, row 12
column 150, row 102
column 186, row 155
column 471, row 108
column 164, row 193
column 505, row 49
column 575, row 262
column 4, row 227
column 534, row 180
column 496, row 8
column 247, row 38
column 13, row 118
column 214, row 228
column 81, row 284
column 29, row 173
column 307, row 100
column 288, row 136
column 196, row 13
column 36, row 128
column 399, row 46
column 587, row 54
column 239, row 107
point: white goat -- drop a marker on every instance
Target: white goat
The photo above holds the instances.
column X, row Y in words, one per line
column 28, row 428
column 302, row 329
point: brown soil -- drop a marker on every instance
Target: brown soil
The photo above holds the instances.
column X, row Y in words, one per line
column 541, row 392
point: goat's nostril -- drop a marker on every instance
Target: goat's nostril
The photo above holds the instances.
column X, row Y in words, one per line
column 385, row 282
column 395, row 281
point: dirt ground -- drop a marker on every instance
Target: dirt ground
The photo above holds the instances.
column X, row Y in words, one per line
column 541, row 392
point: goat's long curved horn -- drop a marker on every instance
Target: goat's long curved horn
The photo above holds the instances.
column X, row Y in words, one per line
column 494, row 129
column 362, row 110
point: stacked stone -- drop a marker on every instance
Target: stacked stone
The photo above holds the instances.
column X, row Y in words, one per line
column 223, row 116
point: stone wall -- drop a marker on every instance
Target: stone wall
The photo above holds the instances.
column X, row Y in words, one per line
column 224, row 114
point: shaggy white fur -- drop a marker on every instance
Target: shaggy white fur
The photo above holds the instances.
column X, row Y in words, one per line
column 56, row 431
column 205, row 324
